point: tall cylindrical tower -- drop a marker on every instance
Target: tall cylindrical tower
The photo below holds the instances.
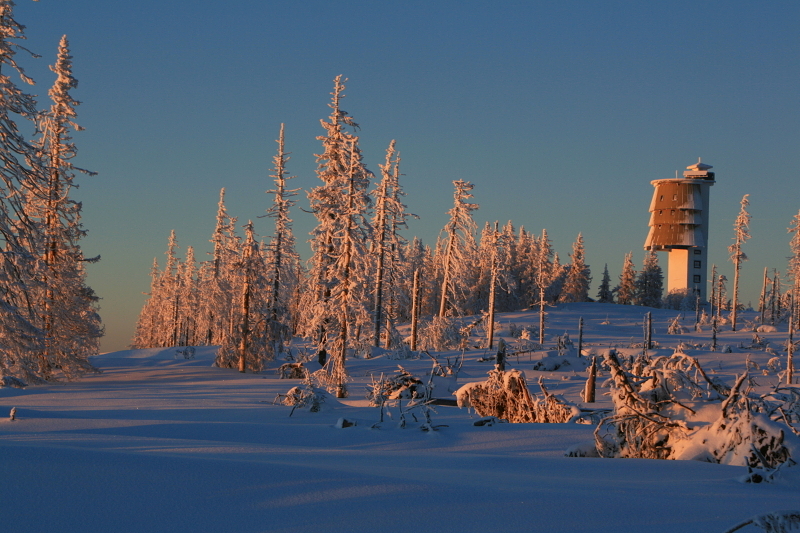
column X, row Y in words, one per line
column 679, row 225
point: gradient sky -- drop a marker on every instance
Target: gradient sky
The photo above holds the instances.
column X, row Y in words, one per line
column 560, row 112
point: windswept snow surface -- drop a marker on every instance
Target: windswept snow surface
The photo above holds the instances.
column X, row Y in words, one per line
column 162, row 443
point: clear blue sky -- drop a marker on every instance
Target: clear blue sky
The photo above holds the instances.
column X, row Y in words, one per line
column 561, row 113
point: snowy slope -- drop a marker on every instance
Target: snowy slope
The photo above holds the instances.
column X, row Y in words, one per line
column 161, row 443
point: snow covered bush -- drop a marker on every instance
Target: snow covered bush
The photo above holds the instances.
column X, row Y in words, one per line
column 656, row 416
column 440, row 334
column 774, row 522
column 505, row 395
column 403, row 385
column 305, row 396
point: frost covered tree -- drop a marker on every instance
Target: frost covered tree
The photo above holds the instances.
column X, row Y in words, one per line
column 21, row 341
column 649, row 282
column 626, row 290
column 65, row 307
column 282, row 259
column 340, row 264
column 459, row 251
column 741, row 229
column 605, row 294
column 217, row 277
column 576, row 285
column 794, row 265
column 390, row 217
column 245, row 345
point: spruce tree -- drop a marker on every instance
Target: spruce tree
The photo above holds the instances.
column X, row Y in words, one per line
column 340, row 264
column 21, row 341
column 576, row 286
column 605, row 294
column 649, row 282
column 390, row 217
column 460, row 250
column 626, row 290
column 282, row 261
column 794, row 265
column 741, row 228
column 66, row 306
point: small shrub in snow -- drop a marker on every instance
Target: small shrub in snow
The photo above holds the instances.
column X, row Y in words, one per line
column 11, row 381
column 186, row 352
column 505, row 395
column 403, row 385
column 775, row 522
column 675, row 327
column 306, row 396
column 552, row 363
column 440, row 334
column 292, row 371
column 774, row 365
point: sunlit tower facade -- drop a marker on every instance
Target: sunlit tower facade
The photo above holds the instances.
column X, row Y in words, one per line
column 679, row 225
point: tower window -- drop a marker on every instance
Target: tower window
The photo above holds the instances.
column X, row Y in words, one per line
column 661, row 199
column 697, row 264
column 696, row 279
column 675, row 197
column 698, row 251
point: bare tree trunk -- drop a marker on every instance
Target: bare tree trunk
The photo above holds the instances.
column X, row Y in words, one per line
column 379, row 291
column 790, row 344
column 589, row 389
column 580, row 337
column 762, row 301
column 490, row 327
column 713, row 300
column 243, row 343
column 446, row 276
column 541, row 315
column 737, row 264
column 415, row 310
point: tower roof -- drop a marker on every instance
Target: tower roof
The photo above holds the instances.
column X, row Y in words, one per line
column 699, row 165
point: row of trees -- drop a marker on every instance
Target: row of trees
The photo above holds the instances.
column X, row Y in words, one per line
column 252, row 295
column 363, row 277
column 49, row 324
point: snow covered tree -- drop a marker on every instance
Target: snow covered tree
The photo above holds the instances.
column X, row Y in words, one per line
column 245, row 345
column 649, row 282
column 626, row 290
column 283, row 261
column 794, row 264
column 605, row 294
column 340, row 264
column 390, row 217
column 65, row 307
column 21, row 341
column 741, row 229
column 576, row 286
column 217, row 279
column 459, row 252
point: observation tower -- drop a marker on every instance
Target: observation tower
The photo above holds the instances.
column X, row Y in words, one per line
column 679, row 225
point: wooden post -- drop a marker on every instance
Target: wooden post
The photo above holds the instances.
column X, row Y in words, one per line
column 580, row 337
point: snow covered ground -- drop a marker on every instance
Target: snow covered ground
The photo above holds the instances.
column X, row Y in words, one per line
column 157, row 442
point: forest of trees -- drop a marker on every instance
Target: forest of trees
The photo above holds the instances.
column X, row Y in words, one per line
column 255, row 294
column 49, row 324
column 363, row 278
